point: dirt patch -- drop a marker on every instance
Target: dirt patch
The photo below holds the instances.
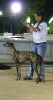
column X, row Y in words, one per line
column 11, row 89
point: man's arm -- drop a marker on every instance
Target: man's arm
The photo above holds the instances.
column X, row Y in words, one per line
column 29, row 26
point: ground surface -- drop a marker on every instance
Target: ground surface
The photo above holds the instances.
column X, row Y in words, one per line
column 10, row 89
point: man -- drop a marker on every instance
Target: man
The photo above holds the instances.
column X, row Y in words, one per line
column 39, row 31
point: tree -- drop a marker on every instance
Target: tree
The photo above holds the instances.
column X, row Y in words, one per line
column 33, row 6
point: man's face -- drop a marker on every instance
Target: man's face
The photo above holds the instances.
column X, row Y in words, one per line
column 37, row 18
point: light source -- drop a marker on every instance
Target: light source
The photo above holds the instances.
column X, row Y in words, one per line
column 51, row 20
column 47, row 28
column 16, row 7
column 1, row 13
column 28, row 20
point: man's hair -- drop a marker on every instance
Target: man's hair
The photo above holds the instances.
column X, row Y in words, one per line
column 40, row 13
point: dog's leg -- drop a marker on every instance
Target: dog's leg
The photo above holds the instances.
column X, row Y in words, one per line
column 41, row 71
column 19, row 71
column 36, row 70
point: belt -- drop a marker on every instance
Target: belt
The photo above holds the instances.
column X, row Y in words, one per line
column 40, row 43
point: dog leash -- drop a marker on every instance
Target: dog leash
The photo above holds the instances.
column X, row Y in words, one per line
column 20, row 29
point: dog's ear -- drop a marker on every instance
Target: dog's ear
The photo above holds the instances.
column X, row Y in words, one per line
column 12, row 44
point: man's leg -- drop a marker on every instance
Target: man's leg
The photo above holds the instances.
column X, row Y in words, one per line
column 41, row 48
column 31, row 70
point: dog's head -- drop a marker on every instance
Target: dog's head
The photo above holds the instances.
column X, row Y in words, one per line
column 8, row 44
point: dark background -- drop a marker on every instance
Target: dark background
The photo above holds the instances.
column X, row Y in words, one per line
column 13, row 23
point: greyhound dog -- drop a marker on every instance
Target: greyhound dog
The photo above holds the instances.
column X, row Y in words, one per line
column 20, row 57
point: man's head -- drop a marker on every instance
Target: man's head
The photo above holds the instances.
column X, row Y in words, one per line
column 39, row 16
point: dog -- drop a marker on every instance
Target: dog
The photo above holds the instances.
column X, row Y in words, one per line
column 20, row 57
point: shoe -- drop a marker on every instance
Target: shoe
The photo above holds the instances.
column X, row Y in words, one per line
column 27, row 78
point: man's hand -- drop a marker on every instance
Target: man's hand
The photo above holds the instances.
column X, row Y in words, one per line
column 25, row 23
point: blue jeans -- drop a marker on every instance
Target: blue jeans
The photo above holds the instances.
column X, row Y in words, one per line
column 39, row 49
